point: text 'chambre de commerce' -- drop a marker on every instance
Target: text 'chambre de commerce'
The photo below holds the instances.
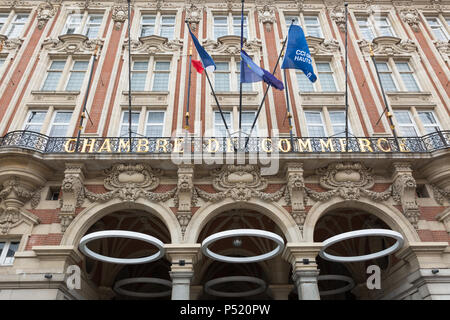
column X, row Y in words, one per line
column 215, row 145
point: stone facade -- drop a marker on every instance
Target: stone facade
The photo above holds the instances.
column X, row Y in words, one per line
column 50, row 200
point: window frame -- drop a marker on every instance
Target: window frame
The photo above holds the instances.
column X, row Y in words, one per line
column 52, row 121
column 323, row 123
column 4, row 252
column 230, row 124
column 373, row 25
column 437, row 123
column 300, row 19
column 411, row 118
column 82, row 28
column 440, row 19
column 317, row 86
column 9, row 21
column 65, row 73
column 230, row 23
column 396, row 74
column 234, row 74
column 28, row 115
column 158, row 25
column 163, row 124
column 151, row 65
column 141, row 124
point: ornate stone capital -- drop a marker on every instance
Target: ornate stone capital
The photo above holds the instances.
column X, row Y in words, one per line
column 72, row 189
column 404, row 191
column 119, row 15
column 193, row 15
column 45, row 11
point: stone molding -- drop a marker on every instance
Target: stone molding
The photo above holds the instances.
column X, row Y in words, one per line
column 185, row 197
column 388, row 46
column 72, row 44
column 296, row 195
column 154, row 45
column 266, row 15
column 119, row 15
column 231, row 45
column 45, row 12
column 193, row 15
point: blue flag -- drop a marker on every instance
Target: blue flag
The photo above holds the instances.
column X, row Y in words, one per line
column 207, row 61
column 251, row 72
column 297, row 53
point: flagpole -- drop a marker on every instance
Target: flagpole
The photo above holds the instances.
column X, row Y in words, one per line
column 286, row 88
column 94, row 57
column 265, row 94
column 389, row 114
column 129, row 74
column 346, row 76
column 242, row 70
column 189, row 89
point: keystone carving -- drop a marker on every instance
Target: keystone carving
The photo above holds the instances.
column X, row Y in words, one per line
column 404, row 191
column 119, row 16
column 186, row 196
column 266, row 15
column 193, row 16
column 72, row 193
column 241, row 183
column 295, row 194
column 128, row 182
column 337, row 14
column 14, row 195
column 411, row 17
column 45, row 11
column 348, row 180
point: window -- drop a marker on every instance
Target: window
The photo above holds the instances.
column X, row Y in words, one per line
column 372, row 27
column 161, row 76
column 60, row 70
column 337, row 119
column 401, row 72
column 154, row 126
column 219, row 126
column 438, row 28
column 60, row 124
column 429, row 121
column 7, row 251
column 85, row 24
column 159, row 73
column 325, row 79
column 247, row 120
column 12, row 24
column 53, row 193
column 222, row 76
column 315, row 124
column 158, row 24
column 124, row 124
column 229, row 25
column 246, row 87
column 2, row 62
column 406, row 125
column 35, row 121
column 310, row 24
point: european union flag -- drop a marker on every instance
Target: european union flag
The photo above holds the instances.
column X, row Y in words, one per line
column 297, row 53
column 251, row 72
column 207, row 61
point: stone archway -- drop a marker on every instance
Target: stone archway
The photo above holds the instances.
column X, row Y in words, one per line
column 85, row 219
column 273, row 211
column 387, row 213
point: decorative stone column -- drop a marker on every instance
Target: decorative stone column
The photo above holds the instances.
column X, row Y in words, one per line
column 280, row 291
column 296, row 191
column 185, row 196
column 302, row 257
column 72, row 193
column 183, row 258
column 404, row 191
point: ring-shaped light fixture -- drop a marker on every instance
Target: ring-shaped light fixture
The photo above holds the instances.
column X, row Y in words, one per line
column 262, row 287
column 348, row 287
column 119, row 284
column 121, row 234
column 242, row 233
column 362, row 233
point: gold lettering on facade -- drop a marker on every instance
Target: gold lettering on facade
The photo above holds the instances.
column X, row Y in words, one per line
column 364, row 145
column 142, row 143
column 402, row 145
column 106, row 146
column 123, row 145
column 162, row 143
column 178, row 145
column 216, row 144
column 304, row 145
column 325, row 146
column 86, row 144
column 264, row 145
column 380, row 145
column 284, row 145
column 343, row 144
column 66, row 145
column 230, row 144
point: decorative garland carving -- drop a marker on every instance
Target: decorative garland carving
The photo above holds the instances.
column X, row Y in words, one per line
column 440, row 195
column 72, row 43
column 14, row 189
column 318, row 46
column 389, row 46
column 240, row 183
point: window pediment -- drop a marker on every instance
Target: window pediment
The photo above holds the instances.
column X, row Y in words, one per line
column 72, row 43
column 320, row 46
column 10, row 44
column 231, row 45
column 389, row 46
column 154, row 44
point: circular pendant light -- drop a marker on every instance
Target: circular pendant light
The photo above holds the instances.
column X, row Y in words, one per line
column 121, row 234
column 119, row 284
column 262, row 287
column 348, row 287
column 362, row 233
column 242, row 233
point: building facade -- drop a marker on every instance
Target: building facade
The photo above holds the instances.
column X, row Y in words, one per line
column 67, row 167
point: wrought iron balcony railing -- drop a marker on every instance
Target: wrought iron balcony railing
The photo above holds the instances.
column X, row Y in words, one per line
column 60, row 145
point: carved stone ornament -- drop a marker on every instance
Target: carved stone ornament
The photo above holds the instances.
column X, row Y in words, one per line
column 186, row 196
column 320, row 46
column 72, row 43
column 404, row 191
column 72, row 193
column 266, row 15
column 231, row 45
column 337, row 14
column 193, row 16
column 154, row 44
column 388, row 46
column 45, row 11
column 411, row 17
column 240, row 183
column 10, row 44
column 444, row 49
column 14, row 195
column 440, row 195
column 348, row 180
column 119, row 16
column 129, row 182
column 296, row 195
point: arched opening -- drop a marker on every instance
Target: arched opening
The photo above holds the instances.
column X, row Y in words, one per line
column 338, row 221
column 104, row 276
column 271, row 271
